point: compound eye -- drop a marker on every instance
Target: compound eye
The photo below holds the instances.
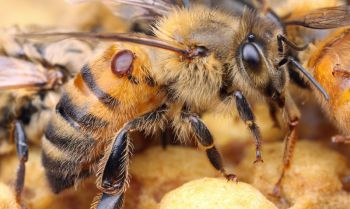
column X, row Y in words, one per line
column 122, row 63
column 250, row 54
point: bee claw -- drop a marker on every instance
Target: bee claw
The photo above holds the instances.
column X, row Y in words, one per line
column 258, row 160
column 276, row 192
column 231, row 177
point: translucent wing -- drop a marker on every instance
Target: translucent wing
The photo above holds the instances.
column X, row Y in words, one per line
column 139, row 9
column 79, row 1
column 16, row 73
column 325, row 18
column 144, row 9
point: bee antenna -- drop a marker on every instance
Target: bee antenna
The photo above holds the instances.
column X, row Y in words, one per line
column 309, row 76
column 121, row 37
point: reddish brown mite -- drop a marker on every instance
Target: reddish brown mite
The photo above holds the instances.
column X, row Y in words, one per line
column 122, row 63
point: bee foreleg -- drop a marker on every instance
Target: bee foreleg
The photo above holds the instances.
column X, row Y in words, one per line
column 293, row 115
column 247, row 116
column 341, row 139
column 205, row 138
column 22, row 153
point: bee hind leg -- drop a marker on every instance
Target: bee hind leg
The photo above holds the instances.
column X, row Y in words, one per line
column 113, row 201
column 114, row 174
column 205, row 138
column 22, row 153
column 113, row 168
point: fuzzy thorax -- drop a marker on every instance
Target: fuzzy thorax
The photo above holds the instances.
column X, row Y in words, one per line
column 194, row 81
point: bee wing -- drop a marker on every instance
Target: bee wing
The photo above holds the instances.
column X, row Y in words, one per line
column 116, row 37
column 325, row 18
column 78, row 1
column 139, row 9
column 16, row 73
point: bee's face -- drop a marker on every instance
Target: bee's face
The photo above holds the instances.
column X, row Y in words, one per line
column 257, row 57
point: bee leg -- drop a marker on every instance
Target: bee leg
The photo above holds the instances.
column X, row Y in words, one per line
column 106, row 201
column 165, row 137
column 293, row 115
column 22, row 153
column 247, row 116
column 113, row 168
column 115, row 173
column 341, row 139
column 206, row 140
column 273, row 114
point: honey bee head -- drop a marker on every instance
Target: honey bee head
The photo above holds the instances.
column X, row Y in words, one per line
column 256, row 56
column 206, row 35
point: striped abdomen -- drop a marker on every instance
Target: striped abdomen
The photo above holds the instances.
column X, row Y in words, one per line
column 94, row 107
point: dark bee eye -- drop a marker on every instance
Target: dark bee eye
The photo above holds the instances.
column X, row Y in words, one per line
column 122, row 63
column 250, row 54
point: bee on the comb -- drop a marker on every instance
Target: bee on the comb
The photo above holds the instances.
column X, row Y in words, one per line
column 31, row 74
column 200, row 59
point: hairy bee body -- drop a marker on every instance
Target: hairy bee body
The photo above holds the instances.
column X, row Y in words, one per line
column 330, row 65
column 31, row 74
column 221, row 70
column 94, row 107
column 99, row 102
column 203, row 60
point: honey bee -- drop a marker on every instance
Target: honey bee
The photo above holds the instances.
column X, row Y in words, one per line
column 30, row 78
column 293, row 22
column 200, row 59
column 330, row 66
column 30, row 70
